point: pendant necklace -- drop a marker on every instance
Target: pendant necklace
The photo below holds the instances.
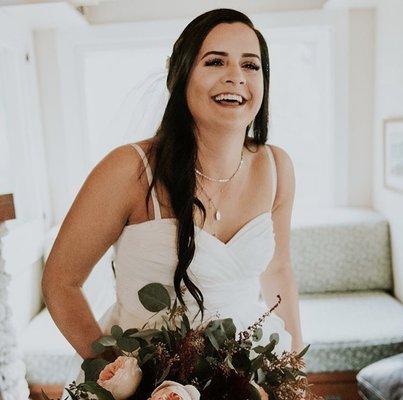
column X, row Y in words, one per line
column 217, row 213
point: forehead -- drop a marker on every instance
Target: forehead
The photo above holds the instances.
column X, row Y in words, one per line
column 233, row 38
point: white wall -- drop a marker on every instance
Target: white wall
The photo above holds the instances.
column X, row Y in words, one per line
column 22, row 169
column 361, row 105
column 389, row 103
column 61, row 57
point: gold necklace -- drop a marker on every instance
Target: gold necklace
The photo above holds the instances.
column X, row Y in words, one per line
column 217, row 214
column 225, row 180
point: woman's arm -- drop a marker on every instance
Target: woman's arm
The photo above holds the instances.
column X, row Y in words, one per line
column 278, row 278
column 93, row 223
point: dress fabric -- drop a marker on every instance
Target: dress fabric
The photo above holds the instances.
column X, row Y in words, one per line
column 226, row 273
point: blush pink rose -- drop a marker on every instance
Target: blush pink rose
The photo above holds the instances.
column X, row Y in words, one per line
column 121, row 378
column 262, row 392
column 169, row 390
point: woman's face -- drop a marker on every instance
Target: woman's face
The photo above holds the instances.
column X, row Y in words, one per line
column 234, row 66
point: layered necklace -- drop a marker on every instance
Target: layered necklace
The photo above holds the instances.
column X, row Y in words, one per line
column 214, row 206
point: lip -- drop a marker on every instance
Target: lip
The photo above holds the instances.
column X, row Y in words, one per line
column 244, row 99
column 229, row 105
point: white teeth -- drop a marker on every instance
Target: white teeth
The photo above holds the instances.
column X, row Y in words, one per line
column 227, row 96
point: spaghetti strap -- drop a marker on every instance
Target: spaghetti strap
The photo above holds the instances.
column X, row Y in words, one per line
column 273, row 173
column 157, row 210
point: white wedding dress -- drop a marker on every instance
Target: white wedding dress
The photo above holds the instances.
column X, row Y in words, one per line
column 226, row 273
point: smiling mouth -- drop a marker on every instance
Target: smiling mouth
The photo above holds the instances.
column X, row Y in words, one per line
column 230, row 103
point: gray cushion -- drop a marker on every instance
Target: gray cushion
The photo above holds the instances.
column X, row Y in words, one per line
column 382, row 380
column 348, row 331
column 341, row 249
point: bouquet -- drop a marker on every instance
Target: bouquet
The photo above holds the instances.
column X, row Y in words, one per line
column 178, row 362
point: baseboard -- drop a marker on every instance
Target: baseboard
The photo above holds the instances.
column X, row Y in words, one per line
column 330, row 385
column 335, row 385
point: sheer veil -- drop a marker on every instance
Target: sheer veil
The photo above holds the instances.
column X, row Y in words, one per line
column 140, row 112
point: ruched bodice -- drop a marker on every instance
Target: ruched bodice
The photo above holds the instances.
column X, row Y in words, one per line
column 226, row 273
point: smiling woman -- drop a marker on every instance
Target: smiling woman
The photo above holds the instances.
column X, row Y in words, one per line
column 220, row 199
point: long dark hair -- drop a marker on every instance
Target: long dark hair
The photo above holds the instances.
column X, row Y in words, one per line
column 175, row 149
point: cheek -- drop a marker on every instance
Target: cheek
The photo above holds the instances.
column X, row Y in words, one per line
column 198, row 91
column 257, row 93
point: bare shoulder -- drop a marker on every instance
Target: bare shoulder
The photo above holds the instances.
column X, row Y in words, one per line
column 285, row 175
column 124, row 162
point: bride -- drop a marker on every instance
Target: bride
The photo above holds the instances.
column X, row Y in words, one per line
column 203, row 207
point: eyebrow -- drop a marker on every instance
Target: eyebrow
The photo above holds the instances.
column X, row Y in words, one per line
column 223, row 53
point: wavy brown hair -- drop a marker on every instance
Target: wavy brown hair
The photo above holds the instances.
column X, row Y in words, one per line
column 175, row 148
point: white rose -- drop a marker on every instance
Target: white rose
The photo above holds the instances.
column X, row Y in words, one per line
column 168, row 390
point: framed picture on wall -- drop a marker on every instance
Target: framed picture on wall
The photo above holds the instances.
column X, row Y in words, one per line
column 393, row 154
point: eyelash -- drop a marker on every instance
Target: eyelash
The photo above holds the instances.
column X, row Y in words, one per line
column 211, row 62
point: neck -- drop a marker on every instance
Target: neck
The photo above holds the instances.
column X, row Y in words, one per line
column 219, row 154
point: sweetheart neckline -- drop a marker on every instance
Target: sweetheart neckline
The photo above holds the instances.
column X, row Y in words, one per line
column 225, row 244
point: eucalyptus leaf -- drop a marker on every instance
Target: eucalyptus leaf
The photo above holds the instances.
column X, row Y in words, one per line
column 93, row 367
column 269, row 348
column 212, row 339
column 116, row 331
column 96, row 389
column 183, row 329
column 128, row 343
column 150, row 349
column 259, row 349
column 261, row 376
column 130, row 331
column 186, row 322
column 256, row 363
column 146, row 358
column 145, row 333
column 154, row 297
column 303, row 351
column 107, row 341
column 274, row 336
column 257, row 334
column 164, row 375
column 97, row 347
column 229, row 328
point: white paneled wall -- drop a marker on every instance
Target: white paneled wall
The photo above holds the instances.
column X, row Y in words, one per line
column 23, row 169
column 94, row 67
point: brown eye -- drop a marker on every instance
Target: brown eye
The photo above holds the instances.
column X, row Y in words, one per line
column 253, row 66
column 214, row 61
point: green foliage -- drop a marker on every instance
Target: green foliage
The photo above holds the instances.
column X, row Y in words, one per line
column 94, row 388
column 175, row 352
column 154, row 297
column 93, row 367
column 303, row 351
column 257, row 334
column 116, row 331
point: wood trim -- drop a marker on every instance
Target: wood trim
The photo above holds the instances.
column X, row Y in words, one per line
column 7, row 210
column 330, row 385
column 335, row 385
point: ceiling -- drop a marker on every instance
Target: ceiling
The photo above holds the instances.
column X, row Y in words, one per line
column 42, row 14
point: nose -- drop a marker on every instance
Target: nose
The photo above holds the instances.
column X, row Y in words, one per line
column 234, row 75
